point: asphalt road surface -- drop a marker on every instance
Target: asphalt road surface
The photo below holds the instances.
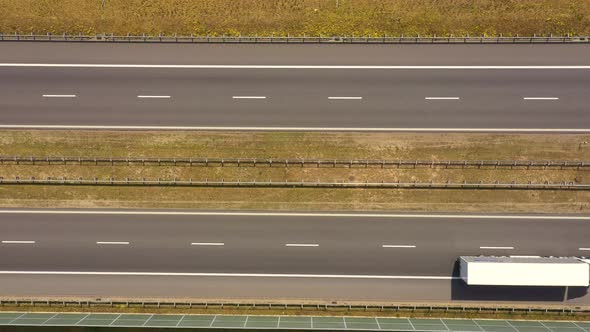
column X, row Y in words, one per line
column 261, row 54
column 308, row 92
column 343, row 257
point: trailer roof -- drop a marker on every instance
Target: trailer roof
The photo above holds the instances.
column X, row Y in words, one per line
column 522, row 259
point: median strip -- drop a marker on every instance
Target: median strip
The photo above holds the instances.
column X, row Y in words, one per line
column 341, row 171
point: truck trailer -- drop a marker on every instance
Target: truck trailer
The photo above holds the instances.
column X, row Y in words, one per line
column 525, row 271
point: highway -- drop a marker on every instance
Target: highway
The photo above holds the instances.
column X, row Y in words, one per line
column 297, row 87
column 279, row 256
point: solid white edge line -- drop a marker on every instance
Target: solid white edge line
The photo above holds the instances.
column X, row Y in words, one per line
column 97, row 65
column 540, row 98
column 498, row 248
column 248, row 97
column 345, row 98
column 18, row 242
column 584, row 249
column 309, row 129
column 59, row 96
column 442, row 98
column 301, row 245
column 398, row 246
column 257, row 275
column 294, row 214
column 113, row 242
column 153, row 97
column 207, row 244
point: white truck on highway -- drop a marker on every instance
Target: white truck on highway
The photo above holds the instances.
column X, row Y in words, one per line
column 525, row 271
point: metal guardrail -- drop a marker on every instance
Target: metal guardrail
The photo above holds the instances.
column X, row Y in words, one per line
column 292, row 306
column 253, row 162
column 292, row 184
column 296, row 39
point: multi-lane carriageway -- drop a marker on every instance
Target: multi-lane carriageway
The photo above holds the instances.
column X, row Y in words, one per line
column 313, row 87
column 317, row 87
column 270, row 255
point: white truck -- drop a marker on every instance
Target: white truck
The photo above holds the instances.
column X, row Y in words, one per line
column 525, row 271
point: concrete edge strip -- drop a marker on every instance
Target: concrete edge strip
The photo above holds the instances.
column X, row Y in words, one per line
column 214, row 274
column 293, row 214
column 308, row 129
column 163, row 66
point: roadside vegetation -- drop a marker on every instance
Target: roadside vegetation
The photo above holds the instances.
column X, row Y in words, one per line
column 292, row 146
column 297, row 17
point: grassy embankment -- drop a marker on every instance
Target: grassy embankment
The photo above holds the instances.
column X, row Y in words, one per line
column 295, row 145
column 297, row 17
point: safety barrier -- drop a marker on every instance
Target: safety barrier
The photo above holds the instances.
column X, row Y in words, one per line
column 296, row 39
column 253, row 162
column 569, row 310
column 292, row 184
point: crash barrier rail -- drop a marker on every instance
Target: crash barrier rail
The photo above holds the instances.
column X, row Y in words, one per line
column 253, row 162
column 297, row 39
column 500, row 309
column 292, row 184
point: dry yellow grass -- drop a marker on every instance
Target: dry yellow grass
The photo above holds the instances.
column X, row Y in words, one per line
column 482, row 201
column 281, row 145
column 297, row 17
